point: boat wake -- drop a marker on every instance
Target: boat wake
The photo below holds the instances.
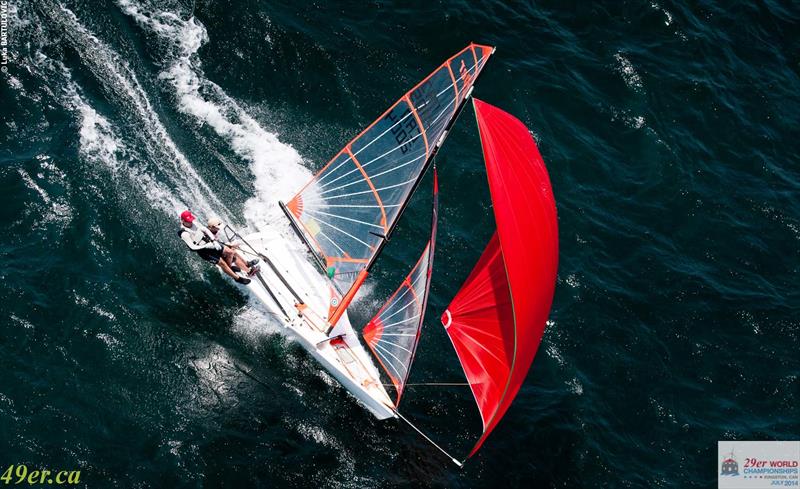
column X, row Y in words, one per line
column 125, row 138
column 277, row 168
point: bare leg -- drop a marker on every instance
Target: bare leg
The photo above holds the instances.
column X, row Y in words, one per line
column 232, row 255
column 227, row 269
column 241, row 262
column 227, row 255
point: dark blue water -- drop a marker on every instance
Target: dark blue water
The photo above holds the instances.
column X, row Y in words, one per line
column 671, row 135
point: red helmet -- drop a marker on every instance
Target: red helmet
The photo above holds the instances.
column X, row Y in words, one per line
column 187, row 216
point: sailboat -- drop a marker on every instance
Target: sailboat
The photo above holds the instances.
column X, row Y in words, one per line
column 346, row 214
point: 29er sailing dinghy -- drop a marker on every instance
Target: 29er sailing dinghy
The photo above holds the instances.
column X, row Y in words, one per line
column 346, row 214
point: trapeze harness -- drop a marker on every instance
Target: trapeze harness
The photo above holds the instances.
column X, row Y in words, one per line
column 202, row 243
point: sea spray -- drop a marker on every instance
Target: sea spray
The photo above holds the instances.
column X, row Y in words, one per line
column 124, row 89
column 277, row 167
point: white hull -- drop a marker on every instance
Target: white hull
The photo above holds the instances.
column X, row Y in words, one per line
column 346, row 360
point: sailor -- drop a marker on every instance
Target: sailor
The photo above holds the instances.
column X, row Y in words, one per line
column 200, row 239
column 215, row 226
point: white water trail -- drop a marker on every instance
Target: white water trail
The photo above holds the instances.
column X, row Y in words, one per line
column 277, row 168
column 100, row 144
column 121, row 82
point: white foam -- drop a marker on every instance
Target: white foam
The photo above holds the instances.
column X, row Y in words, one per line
column 630, row 120
column 628, row 72
column 189, row 189
column 667, row 14
column 53, row 210
column 100, row 144
column 254, row 323
column 575, row 386
column 277, row 168
column 14, row 83
column 23, row 322
column 111, row 342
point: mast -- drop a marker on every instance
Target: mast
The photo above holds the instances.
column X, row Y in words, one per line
column 348, row 298
column 417, row 183
column 349, row 210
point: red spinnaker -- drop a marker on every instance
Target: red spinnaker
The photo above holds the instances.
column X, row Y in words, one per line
column 497, row 319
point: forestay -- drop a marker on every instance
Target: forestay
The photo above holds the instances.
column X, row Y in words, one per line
column 352, row 204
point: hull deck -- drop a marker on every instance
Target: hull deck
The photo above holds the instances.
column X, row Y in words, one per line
column 344, row 357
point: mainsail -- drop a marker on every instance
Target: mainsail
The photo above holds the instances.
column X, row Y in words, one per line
column 348, row 209
column 497, row 319
column 393, row 334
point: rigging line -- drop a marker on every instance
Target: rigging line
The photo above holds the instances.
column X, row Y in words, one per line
column 449, row 86
column 435, row 120
column 395, row 344
column 395, row 124
column 428, row 438
column 362, row 192
column 343, row 232
column 432, row 384
column 442, row 112
column 367, row 163
column 407, row 288
column 374, row 176
column 401, row 296
column 405, row 291
column 359, row 206
column 389, row 363
column 397, row 167
column 391, row 325
column 387, row 352
column 343, row 217
column 332, row 242
column 349, row 158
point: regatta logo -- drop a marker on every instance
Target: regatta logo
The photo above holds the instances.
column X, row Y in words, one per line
column 4, row 36
column 729, row 465
column 759, row 464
